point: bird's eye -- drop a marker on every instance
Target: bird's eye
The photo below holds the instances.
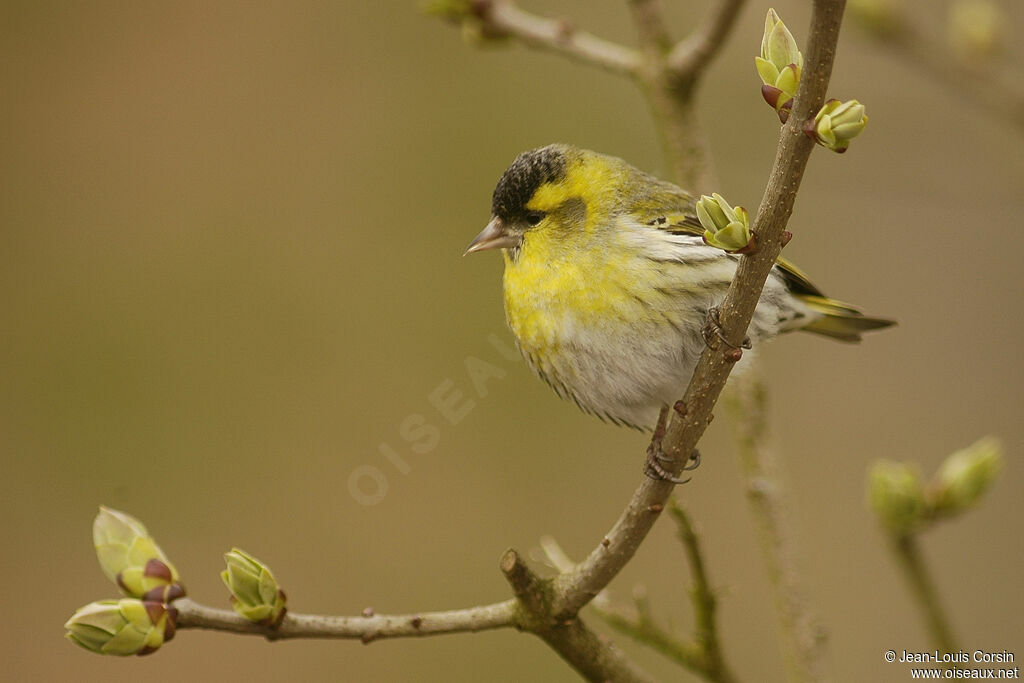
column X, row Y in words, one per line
column 534, row 217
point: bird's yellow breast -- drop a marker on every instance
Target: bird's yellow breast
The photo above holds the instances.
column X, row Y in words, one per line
column 560, row 290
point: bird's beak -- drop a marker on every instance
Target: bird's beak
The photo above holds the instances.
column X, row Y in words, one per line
column 495, row 236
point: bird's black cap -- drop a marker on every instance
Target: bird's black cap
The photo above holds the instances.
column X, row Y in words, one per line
column 528, row 172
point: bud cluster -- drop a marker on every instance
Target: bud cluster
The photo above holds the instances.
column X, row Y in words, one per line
column 725, row 226
column 780, row 66
column 905, row 504
column 143, row 621
column 255, row 594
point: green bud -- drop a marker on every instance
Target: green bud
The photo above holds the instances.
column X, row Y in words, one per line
column 896, row 496
column 778, row 45
column 254, row 591
column 779, row 65
column 725, row 227
column 965, row 476
column 975, row 28
column 839, row 122
column 131, row 558
column 122, row 627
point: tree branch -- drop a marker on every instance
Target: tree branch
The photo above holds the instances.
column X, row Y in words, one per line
column 694, row 412
column 549, row 608
column 703, row 655
column 504, row 19
column 687, row 424
column 644, row 629
column 705, row 604
column 801, row 634
column 366, row 628
column 594, row 659
column 652, row 29
column 692, row 55
column 908, row 553
column 667, row 75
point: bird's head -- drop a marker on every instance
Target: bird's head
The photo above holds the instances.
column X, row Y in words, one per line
column 550, row 194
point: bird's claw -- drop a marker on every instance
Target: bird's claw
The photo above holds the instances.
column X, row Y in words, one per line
column 713, row 329
column 654, row 469
column 653, row 466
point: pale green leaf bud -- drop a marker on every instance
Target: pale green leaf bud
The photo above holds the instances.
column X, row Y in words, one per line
column 131, row 558
column 779, row 65
column 896, row 495
column 122, row 627
column 965, row 476
column 255, row 593
column 839, row 122
column 976, row 28
column 725, row 227
column 778, row 45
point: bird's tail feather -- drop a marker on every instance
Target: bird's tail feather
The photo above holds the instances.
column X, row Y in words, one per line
column 840, row 321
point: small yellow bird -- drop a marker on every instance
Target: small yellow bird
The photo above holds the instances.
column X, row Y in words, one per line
column 608, row 282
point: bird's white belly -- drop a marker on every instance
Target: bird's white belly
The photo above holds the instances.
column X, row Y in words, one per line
column 623, row 376
column 626, row 373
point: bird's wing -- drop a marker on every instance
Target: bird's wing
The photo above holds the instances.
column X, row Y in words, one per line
column 667, row 207
column 686, row 223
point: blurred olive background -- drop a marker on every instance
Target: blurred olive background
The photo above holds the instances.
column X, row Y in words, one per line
column 230, row 251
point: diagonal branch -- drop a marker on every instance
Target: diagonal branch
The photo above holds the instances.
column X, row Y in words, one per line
column 576, row 588
column 694, row 413
column 652, row 29
column 504, row 19
column 702, row 655
column 666, row 74
column 800, row 632
column 644, row 629
column 691, row 56
column 705, row 604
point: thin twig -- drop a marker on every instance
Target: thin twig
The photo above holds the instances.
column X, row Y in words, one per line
column 642, row 627
column 908, row 553
column 594, row 659
column 645, row 630
column 801, row 634
column 692, row 55
column 671, row 96
column 503, row 18
column 702, row 596
column 652, row 29
column 366, row 628
column 668, row 75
